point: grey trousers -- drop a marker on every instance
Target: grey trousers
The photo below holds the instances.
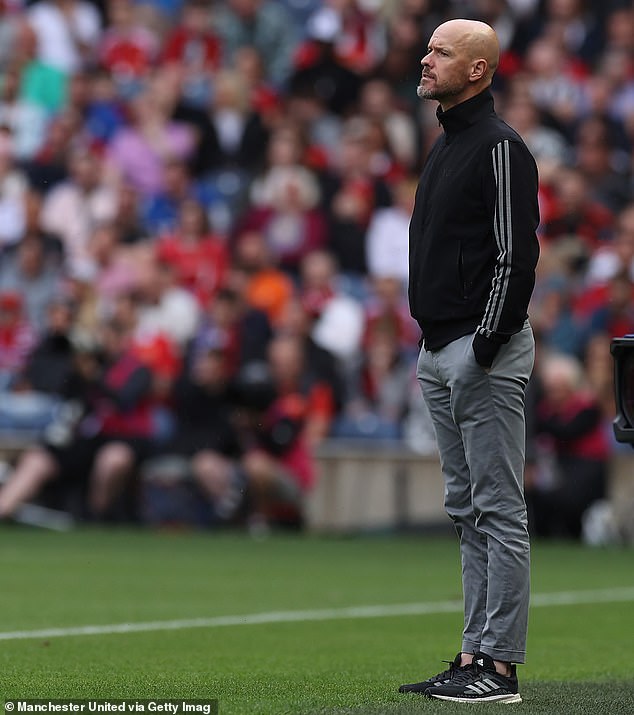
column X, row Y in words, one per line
column 478, row 417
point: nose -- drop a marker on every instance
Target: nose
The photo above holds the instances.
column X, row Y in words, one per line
column 426, row 61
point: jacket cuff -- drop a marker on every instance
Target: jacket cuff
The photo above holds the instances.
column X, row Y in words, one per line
column 485, row 350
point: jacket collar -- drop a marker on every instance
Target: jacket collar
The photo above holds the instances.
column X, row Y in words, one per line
column 466, row 113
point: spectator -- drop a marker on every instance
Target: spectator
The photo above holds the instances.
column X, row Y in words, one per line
column 114, row 264
column 232, row 133
column 78, row 93
column 546, row 144
column 615, row 315
column 387, row 238
column 13, row 188
column 11, row 29
column 268, row 288
column 243, row 331
column 273, row 407
column 609, row 96
column 160, row 212
column 554, row 319
column 320, row 71
column 569, row 420
column 165, row 308
column 32, row 202
column 41, row 84
column 198, row 257
column 25, row 121
column 337, row 318
column 196, row 49
column 382, row 161
column 67, row 33
column 320, row 125
column 36, row 394
column 32, row 272
column 204, row 446
column 619, row 28
column 407, row 29
column 295, row 384
column 265, row 99
column 378, row 103
column 379, row 400
column 298, row 320
column 127, row 49
column 112, row 436
column 567, row 20
column 104, row 113
column 575, row 213
column 73, row 208
column 64, row 136
column 360, row 44
column 137, row 154
column 599, row 368
column 287, row 147
column 17, row 337
column 352, row 193
column 262, row 23
column 291, row 220
column 616, row 255
column 80, row 286
column 128, row 217
column 387, row 310
column 598, row 160
column 554, row 86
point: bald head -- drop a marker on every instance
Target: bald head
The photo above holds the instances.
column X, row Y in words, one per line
column 461, row 60
column 477, row 39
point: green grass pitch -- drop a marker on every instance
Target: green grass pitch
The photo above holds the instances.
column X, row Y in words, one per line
column 580, row 650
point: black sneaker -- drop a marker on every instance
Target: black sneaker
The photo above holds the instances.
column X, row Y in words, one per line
column 440, row 679
column 479, row 683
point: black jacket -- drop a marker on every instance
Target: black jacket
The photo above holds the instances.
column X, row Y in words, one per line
column 473, row 248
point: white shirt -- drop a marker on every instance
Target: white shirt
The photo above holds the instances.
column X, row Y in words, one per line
column 72, row 215
column 57, row 39
column 176, row 315
column 387, row 244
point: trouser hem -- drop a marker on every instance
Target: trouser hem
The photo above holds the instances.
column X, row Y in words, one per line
column 506, row 656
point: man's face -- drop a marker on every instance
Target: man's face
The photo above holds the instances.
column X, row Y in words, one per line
column 445, row 69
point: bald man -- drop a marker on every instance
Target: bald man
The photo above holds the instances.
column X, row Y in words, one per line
column 473, row 252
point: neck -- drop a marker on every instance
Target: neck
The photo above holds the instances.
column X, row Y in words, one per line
column 471, row 91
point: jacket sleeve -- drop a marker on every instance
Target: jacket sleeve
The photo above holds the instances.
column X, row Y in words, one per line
column 511, row 198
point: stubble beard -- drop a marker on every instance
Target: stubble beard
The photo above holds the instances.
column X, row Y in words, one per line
column 438, row 92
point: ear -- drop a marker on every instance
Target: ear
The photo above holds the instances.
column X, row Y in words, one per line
column 478, row 70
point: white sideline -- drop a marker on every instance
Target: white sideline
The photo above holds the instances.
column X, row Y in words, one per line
column 539, row 600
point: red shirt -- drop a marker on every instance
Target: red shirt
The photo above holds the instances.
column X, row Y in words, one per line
column 200, row 49
column 589, row 443
column 200, row 266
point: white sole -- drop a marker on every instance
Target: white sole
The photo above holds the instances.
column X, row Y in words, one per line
column 508, row 698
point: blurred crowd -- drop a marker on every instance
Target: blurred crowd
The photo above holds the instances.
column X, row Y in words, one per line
column 204, row 210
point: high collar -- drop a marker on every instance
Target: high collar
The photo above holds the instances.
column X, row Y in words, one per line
column 466, row 113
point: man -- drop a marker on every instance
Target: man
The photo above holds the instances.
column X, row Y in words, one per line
column 473, row 253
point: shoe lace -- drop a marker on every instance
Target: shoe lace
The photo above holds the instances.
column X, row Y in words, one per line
column 448, row 673
column 464, row 674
